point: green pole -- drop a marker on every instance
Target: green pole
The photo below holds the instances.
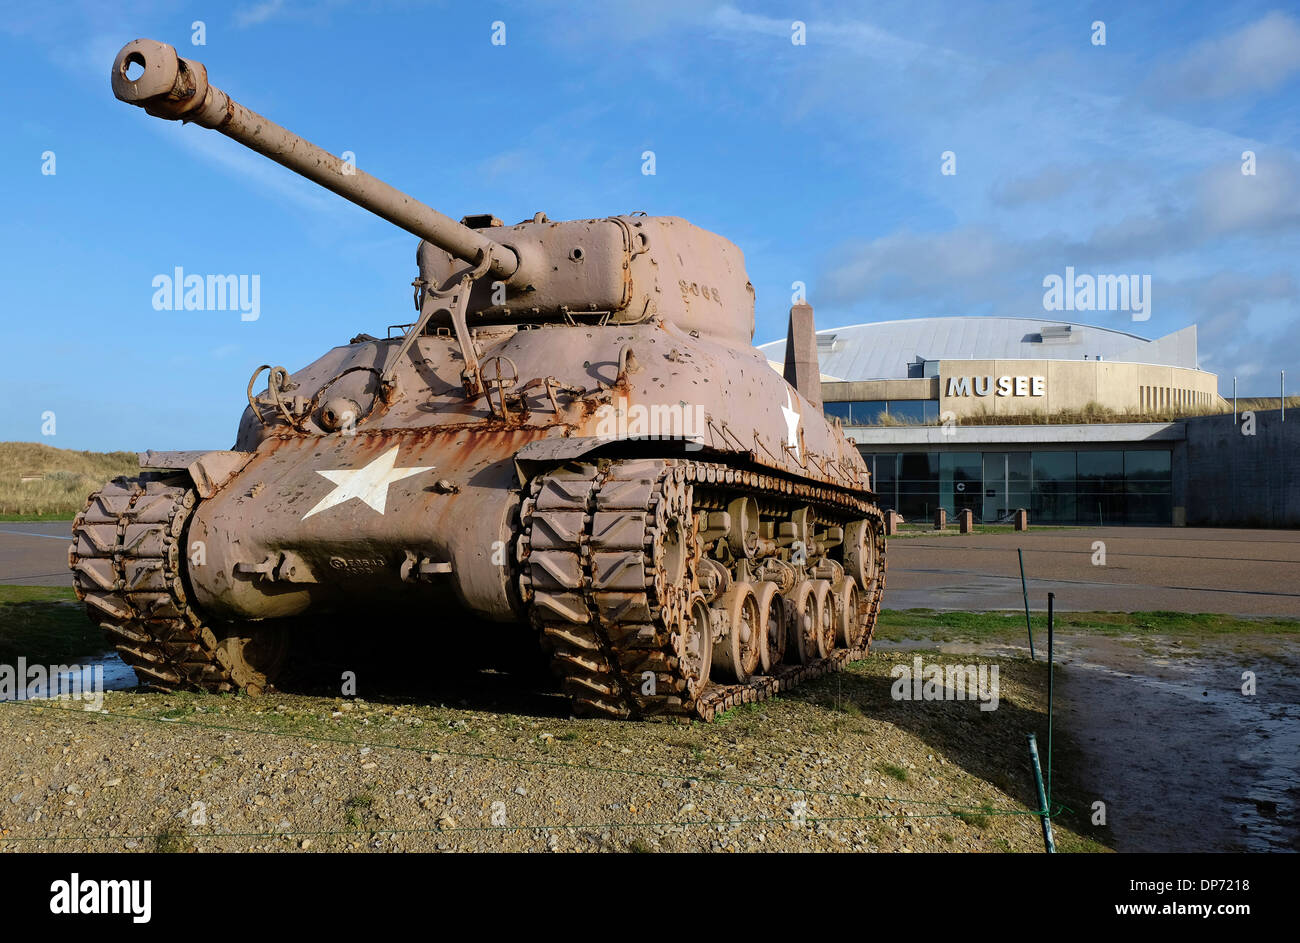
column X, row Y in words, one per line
column 1025, row 593
column 1043, row 817
column 1051, row 599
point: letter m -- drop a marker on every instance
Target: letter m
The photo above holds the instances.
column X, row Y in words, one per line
column 116, row 897
column 1112, row 292
column 961, row 679
column 958, row 386
column 223, row 291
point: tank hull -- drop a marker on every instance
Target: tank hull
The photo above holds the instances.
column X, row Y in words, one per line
column 353, row 508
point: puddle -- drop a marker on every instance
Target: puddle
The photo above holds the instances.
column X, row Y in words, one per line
column 103, row 672
column 1182, row 758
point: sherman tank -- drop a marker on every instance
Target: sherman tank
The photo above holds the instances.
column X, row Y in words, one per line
column 573, row 432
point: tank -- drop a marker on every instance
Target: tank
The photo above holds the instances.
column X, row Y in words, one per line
column 572, row 432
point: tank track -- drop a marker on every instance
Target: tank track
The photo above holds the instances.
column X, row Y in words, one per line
column 126, row 556
column 596, row 561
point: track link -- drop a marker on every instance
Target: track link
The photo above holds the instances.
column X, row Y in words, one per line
column 608, row 580
column 126, row 557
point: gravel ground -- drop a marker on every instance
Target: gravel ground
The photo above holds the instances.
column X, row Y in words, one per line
column 169, row 772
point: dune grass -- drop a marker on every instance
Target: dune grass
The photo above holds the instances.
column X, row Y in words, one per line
column 64, row 479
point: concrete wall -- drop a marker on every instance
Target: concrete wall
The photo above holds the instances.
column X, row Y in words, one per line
column 1236, row 479
column 1067, row 385
column 1073, row 384
column 870, row 390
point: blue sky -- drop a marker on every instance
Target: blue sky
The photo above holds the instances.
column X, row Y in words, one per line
column 821, row 161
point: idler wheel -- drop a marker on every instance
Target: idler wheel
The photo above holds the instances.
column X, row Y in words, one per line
column 860, row 560
column 849, row 629
column 254, row 656
column 696, row 645
column 676, row 550
column 736, row 655
column 825, row 635
column 801, row 623
column 771, row 631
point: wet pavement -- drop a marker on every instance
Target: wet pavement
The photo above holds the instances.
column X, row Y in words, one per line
column 35, row 554
column 1182, row 758
column 1235, row 572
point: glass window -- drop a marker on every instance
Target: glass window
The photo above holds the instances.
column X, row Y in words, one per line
column 960, row 481
column 918, row 485
column 1098, row 470
column 1054, row 467
column 837, row 410
column 885, row 482
column 1059, row 486
column 1147, row 486
column 907, row 410
column 1148, row 465
column 867, row 412
column 1054, row 488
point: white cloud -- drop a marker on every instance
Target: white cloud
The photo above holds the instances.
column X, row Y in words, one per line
column 258, row 13
column 1258, row 57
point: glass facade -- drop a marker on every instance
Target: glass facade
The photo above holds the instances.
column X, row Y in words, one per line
column 868, row 412
column 1131, row 486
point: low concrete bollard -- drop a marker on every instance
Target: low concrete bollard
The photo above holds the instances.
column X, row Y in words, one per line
column 940, row 518
column 1022, row 519
column 965, row 520
column 891, row 523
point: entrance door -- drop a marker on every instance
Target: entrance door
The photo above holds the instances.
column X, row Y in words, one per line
column 995, row 486
column 1006, row 483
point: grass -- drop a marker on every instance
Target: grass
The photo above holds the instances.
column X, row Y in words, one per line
column 359, row 807
column 894, row 772
column 929, row 623
column 976, row 819
column 171, row 841
column 66, row 478
column 45, row 625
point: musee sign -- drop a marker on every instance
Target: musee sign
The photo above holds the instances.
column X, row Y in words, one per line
column 1004, row 386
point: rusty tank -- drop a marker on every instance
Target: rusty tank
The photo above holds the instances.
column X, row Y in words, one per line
column 574, row 432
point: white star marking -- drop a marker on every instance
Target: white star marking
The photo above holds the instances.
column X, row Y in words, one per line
column 370, row 483
column 791, row 425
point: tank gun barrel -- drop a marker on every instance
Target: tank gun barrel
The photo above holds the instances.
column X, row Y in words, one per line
column 175, row 88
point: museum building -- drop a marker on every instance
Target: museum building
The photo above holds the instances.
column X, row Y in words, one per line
column 922, row 400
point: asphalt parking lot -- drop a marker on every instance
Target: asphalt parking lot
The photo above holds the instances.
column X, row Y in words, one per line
column 1240, row 572
column 35, row 554
column 1180, row 569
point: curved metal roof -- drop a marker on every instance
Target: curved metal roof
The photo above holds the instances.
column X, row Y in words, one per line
column 882, row 350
